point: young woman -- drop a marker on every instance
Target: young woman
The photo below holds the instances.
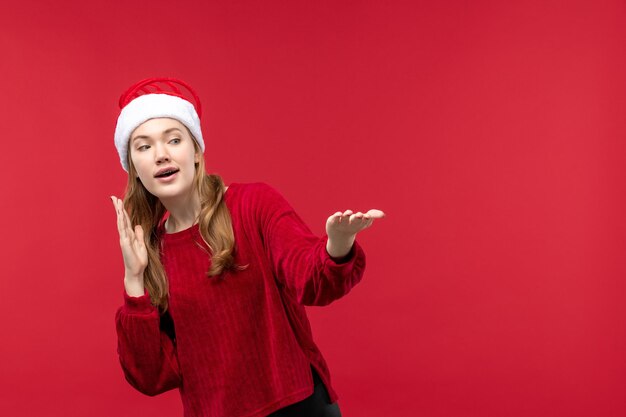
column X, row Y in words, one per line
column 216, row 278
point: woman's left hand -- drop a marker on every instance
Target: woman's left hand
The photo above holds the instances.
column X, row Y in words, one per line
column 342, row 228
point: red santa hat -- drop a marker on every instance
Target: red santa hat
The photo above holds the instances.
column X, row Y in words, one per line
column 152, row 98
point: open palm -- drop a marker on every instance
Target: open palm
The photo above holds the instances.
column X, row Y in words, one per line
column 349, row 223
column 131, row 242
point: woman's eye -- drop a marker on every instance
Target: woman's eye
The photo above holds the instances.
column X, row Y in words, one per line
column 175, row 141
column 143, row 147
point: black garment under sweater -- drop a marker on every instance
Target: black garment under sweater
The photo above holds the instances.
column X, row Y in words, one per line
column 317, row 405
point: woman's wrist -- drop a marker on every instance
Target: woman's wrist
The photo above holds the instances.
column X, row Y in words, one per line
column 134, row 286
column 339, row 247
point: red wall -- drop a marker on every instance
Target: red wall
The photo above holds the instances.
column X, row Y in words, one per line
column 492, row 134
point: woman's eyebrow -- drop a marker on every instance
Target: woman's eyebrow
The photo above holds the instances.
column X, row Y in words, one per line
column 140, row 137
column 165, row 132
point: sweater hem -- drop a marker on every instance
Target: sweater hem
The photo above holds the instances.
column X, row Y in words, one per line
column 284, row 402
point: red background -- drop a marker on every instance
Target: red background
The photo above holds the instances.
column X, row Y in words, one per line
column 492, row 134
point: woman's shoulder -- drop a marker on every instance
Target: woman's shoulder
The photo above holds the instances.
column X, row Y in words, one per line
column 255, row 195
column 251, row 189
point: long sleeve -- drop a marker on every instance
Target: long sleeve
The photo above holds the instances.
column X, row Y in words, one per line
column 146, row 352
column 299, row 258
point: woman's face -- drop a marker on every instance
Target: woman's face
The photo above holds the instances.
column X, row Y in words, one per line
column 163, row 154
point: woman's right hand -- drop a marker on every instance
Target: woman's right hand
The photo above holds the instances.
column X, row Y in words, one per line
column 133, row 250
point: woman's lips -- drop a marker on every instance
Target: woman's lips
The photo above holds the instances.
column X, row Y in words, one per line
column 167, row 178
column 165, row 171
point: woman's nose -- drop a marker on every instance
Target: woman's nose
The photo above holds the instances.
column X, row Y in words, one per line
column 161, row 155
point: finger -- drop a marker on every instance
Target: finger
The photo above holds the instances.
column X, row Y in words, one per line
column 123, row 216
column 345, row 214
column 375, row 214
column 367, row 223
column 356, row 218
column 120, row 224
column 117, row 212
column 139, row 235
column 333, row 218
column 126, row 224
column 118, row 207
column 127, row 218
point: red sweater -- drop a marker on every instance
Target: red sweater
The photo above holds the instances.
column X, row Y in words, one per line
column 243, row 345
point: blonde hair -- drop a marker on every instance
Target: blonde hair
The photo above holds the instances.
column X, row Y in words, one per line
column 214, row 223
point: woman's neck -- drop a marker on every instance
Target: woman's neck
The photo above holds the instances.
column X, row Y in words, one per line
column 183, row 213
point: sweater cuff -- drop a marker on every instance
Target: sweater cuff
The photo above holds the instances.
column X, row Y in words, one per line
column 138, row 305
column 355, row 253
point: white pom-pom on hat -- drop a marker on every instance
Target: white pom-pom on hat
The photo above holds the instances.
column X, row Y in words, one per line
column 152, row 98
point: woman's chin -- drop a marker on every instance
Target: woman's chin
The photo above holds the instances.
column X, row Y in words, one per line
column 169, row 194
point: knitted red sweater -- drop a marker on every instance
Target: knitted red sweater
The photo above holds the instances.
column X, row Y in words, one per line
column 243, row 345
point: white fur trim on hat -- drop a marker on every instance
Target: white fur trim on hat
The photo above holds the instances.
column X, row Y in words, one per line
column 151, row 106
